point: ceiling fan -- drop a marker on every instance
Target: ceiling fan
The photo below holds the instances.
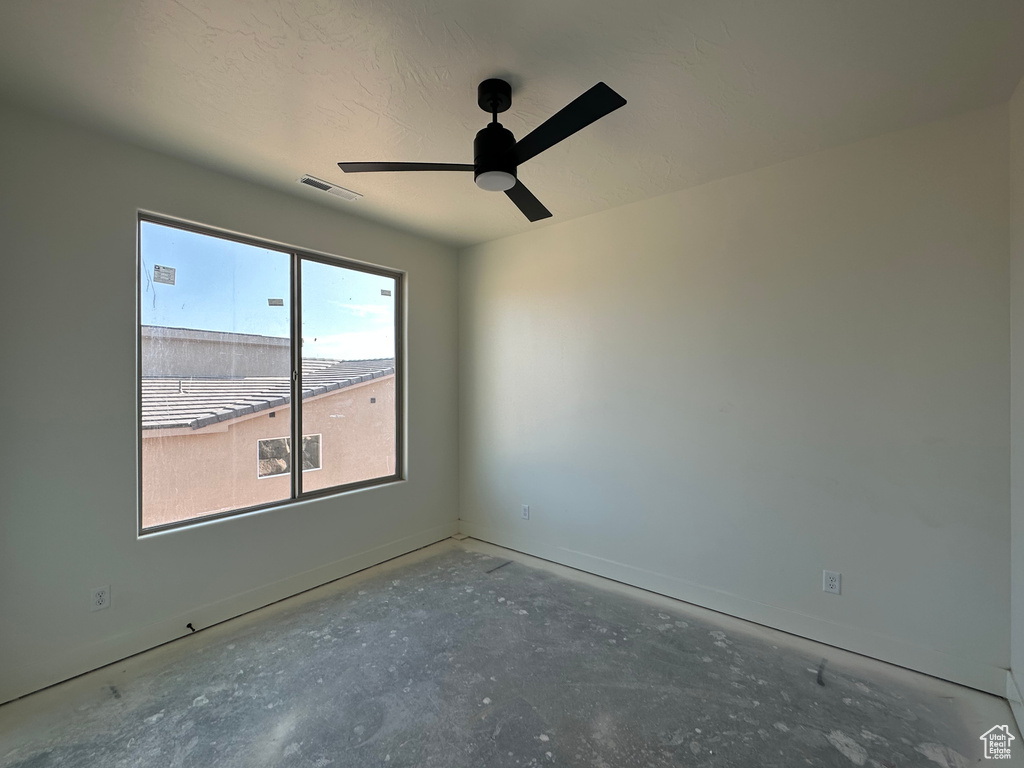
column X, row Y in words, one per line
column 496, row 153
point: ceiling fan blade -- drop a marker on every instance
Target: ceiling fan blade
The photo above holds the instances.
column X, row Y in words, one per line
column 578, row 114
column 373, row 167
column 532, row 208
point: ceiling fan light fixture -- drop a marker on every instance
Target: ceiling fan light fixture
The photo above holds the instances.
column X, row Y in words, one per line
column 495, row 181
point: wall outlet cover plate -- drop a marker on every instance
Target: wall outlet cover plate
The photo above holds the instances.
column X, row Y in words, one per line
column 100, row 598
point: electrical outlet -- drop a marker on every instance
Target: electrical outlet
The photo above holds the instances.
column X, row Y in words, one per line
column 100, row 598
column 526, row 511
column 830, row 582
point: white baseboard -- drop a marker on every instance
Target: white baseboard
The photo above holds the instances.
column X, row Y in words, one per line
column 118, row 647
column 892, row 650
column 1013, row 695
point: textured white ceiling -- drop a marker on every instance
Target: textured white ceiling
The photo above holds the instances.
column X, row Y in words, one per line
column 270, row 90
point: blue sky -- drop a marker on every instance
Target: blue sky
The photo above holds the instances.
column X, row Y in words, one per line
column 221, row 285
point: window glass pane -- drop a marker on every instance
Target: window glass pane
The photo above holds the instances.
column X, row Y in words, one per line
column 216, row 364
column 348, row 373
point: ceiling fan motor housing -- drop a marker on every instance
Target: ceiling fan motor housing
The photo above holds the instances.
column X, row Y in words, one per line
column 491, row 151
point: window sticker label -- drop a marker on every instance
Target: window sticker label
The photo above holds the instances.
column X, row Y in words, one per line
column 163, row 275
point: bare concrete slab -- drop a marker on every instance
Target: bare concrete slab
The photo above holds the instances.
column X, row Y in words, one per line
column 469, row 655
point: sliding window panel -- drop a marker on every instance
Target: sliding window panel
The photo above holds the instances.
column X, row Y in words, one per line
column 348, row 376
column 215, row 366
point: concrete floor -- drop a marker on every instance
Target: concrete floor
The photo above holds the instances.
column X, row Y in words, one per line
column 464, row 654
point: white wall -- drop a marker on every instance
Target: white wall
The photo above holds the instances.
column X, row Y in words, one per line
column 717, row 393
column 68, row 201
column 1016, row 110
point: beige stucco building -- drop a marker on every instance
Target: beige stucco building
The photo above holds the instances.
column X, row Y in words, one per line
column 202, row 436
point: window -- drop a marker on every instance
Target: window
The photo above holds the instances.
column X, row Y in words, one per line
column 231, row 330
column 274, row 456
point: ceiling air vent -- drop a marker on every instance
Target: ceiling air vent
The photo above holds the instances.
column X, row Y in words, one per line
column 326, row 186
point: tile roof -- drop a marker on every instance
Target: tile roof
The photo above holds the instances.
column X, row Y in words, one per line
column 175, row 402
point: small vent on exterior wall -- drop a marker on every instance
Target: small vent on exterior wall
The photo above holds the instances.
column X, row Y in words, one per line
column 326, row 186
